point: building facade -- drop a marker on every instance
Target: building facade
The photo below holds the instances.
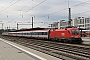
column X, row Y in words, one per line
column 79, row 22
column 62, row 24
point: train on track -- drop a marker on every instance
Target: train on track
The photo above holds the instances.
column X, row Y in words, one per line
column 85, row 33
column 68, row 34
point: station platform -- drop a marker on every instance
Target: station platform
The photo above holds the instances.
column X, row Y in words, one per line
column 86, row 40
column 13, row 51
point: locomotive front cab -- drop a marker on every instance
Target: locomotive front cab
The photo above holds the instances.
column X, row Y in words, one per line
column 75, row 35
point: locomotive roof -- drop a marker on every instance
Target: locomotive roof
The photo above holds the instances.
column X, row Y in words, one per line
column 76, row 27
column 64, row 29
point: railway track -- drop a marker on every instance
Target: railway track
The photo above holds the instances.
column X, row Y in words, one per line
column 60, row 50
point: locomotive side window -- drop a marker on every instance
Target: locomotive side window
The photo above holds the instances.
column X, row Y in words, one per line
column 69, row 32
column 75, row 31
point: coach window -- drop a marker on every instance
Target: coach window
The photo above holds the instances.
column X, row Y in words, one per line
column 44, row 33
column 29, row 33
column 24, row 33
column 32, row 33
column 19, row 33
column 40, row 33
column 36, row 33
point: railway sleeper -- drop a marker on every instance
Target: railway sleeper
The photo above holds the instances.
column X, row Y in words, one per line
column 76, row 50
column 54, row 51
column 80, row 54
column 71, row 55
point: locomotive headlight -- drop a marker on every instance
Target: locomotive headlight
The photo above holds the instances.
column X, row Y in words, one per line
column 72, row 36
column 79, row 36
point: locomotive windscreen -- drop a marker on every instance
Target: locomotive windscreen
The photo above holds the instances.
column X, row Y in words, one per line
column 75, row 31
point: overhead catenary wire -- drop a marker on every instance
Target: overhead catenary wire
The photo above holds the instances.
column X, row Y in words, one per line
column 31, row 9
column 68, row 8
column 26, row 5
column 8, row 3
column 55, row 11
column 53, row 7
column 41, row 2
column 9, row 6
column 23, row 7
column 35, row 6
column 80, row 3
column 58, row 4
column 84, row 11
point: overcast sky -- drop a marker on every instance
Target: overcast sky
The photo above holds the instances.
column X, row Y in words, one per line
column 44, row 12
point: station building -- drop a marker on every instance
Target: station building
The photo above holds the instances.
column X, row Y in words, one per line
column 79, row 22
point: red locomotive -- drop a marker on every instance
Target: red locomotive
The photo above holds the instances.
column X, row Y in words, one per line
column 64, row 35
